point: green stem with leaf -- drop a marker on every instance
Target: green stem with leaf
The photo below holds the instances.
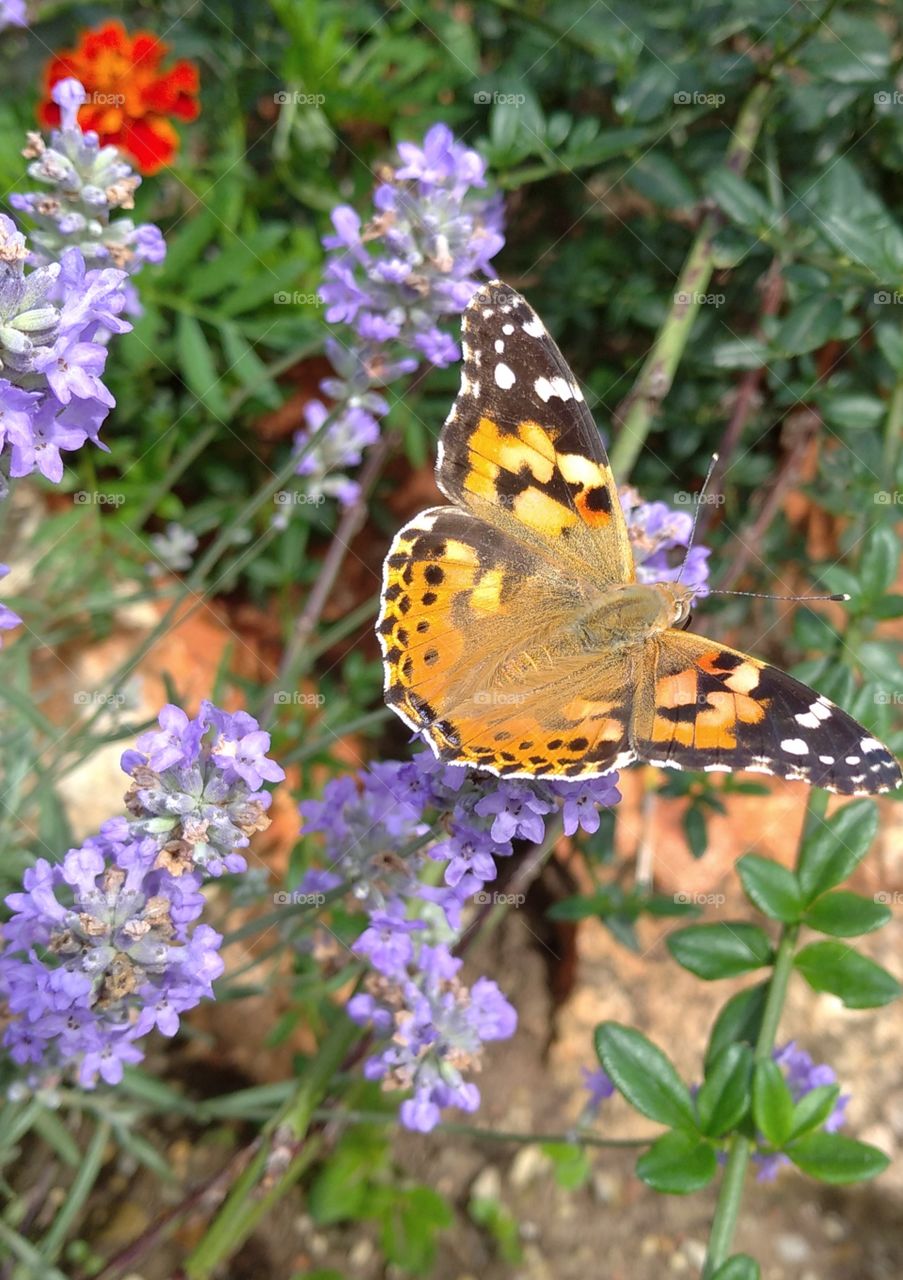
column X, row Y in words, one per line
column 730, row 1196
column 657, row 374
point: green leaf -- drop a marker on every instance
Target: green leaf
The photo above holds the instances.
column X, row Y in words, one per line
column 409, row 1225
column 738, row 1022
column 858, row 981
column 198, row 366
column 834, row 848
column 720, row 950
column 740, row 200
column 852, row 410
column 813, row 1108
column 740, row 1267
column 572, row 1164
column 644, row 1075
column 878, row 565
column 657, row 177
column 809, row 325
column 846, row 915
column 695, row 830
column 738, row 353
column 723, row 1097
column 677, row 1164
column 770, row 887
column 772, row 1103
column 831, row 1157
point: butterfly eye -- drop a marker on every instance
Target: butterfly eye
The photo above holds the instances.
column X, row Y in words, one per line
column 685, row 622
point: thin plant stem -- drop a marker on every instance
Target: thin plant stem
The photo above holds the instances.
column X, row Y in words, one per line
column 637, row 412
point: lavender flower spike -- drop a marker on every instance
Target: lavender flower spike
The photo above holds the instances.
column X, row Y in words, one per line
column 395, row 281
column 104, row 947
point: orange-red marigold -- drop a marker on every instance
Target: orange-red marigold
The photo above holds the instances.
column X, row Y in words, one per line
column 130, row 99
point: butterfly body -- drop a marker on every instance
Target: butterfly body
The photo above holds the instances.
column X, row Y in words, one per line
column 515, row 636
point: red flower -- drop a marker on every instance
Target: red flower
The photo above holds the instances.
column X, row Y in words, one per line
column 129, row 97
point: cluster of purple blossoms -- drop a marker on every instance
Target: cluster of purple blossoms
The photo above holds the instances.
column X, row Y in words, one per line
column 53, row 324
column 83, row 184
column 103, row 947
column 656, row 531
column 381, row 832
column 393, row 281
column 13, row 14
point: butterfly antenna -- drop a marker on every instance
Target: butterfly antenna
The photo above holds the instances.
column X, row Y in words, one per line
column 699, row 498
column 767, row 595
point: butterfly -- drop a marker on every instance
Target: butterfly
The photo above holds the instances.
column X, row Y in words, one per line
column 515, row 635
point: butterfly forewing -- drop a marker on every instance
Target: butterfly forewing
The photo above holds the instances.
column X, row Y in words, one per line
column 520, row 448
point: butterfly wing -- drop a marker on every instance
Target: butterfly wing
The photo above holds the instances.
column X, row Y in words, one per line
column 482, row 658
column 520, row 449
column 704, row 706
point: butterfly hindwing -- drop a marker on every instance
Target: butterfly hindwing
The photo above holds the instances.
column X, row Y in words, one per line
column 708, row 707
column 480, row 659
column 520, row 448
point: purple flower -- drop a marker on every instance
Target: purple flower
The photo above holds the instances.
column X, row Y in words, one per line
column 82, row 184
column 388, row 943
column 581, row 801
column 51, row 356
column 517, row 810
column 13, row 14
column 395, row 281
column 197, row 782
column 8, row 619
column 600, row 1087
column 96, row 955
column 656, row 532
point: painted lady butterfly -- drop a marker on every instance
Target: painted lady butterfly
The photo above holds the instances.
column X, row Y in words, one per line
column 514, row 634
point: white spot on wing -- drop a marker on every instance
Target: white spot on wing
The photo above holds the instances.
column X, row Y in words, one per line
column 504, row 376
column 826, row 759
column 795, row 747
column 507, row 329
column 871, row 744
column 534, row 327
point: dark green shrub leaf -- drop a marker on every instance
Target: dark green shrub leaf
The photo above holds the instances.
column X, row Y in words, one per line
column 644, row 1075
column 677, row 1164
column 770, row 887
column 720, row 950
column 831, row 1157
column 858, row 981
column 846, row 915
column 772, row 1103
column 834, row 848
column 723, row 1097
